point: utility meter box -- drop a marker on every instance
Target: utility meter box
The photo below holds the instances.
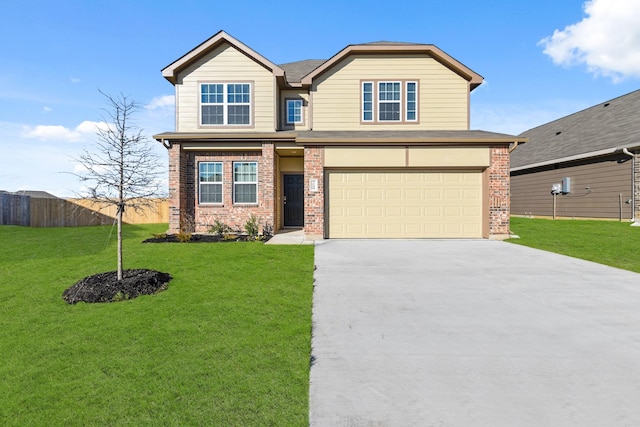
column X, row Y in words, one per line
column 566, row 185
column 556, row 189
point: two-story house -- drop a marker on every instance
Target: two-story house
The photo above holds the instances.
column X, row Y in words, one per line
column 372, row 143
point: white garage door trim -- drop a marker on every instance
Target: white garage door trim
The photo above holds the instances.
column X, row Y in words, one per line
column 404, row 204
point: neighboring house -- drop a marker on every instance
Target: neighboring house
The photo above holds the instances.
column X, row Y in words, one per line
column 371, row 143
column 591, row 152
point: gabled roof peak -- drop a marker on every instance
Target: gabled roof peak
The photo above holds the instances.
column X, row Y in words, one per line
column 170, row 72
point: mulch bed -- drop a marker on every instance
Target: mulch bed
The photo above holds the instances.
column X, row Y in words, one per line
column 199, row 238
column 105, row 287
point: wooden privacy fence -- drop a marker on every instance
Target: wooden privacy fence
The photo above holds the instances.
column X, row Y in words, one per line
column 44, row 212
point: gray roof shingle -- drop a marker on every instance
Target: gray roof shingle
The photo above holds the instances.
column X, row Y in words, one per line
column 608, row 125
column 295, row 71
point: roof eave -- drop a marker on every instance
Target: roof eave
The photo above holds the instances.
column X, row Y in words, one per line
column 171, row 71
column 474, row 78
column 583, row 156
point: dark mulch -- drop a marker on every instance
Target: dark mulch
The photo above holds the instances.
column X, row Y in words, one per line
column 105, row 287
column 200, row 238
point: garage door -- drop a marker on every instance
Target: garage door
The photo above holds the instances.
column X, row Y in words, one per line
column 405, row 204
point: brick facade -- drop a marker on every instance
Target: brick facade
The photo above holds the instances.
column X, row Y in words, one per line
column 186, row 211
column 314, row 200
column 499, row 196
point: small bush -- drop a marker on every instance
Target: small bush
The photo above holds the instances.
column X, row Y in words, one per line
column 219, row 228
column 183, row 236
column 252, row 226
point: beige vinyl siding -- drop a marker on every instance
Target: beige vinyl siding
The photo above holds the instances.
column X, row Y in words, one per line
column 225, row 64
column 442, row 96
column 406, row 157
column 606, row 178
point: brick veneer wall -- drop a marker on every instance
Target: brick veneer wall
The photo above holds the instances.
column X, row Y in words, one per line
column 177, row 200
column 314, row 200
column 499, row 192
column 184, row 207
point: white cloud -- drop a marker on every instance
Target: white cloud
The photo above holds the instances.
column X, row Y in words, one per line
column 82, row 132
column 47, row 109
column 607, row 40
column 161, row 102
column 75, row 80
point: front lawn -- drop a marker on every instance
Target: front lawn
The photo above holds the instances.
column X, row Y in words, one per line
column 227, row 344
column 606, row 242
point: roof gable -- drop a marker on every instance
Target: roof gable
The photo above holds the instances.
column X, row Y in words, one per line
column 471, row 76
column 171, row 71
column 603, row 128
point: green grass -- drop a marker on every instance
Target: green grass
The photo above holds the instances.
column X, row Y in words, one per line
column 606, row 242
column 227, row 344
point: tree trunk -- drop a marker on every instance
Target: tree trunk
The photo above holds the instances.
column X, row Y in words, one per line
column 120, row 210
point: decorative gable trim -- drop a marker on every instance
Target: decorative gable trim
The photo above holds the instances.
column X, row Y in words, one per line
column 171, row 71
column 462, row 70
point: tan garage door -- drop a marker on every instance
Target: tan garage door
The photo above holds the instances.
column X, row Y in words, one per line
column 414, row 204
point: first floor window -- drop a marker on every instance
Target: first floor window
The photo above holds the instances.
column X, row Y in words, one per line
column 225, row 104
column 210, row 182
column 294, row 111
column 245, row 182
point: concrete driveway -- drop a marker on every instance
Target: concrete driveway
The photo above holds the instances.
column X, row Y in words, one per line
column 471, row 333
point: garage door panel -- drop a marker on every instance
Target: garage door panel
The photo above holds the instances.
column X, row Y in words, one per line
column 412, row 204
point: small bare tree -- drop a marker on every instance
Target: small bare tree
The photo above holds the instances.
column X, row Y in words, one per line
column 123, row 170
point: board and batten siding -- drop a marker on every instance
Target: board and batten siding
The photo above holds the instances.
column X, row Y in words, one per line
column 225, row 64
column 609, row 180
column 442, row 97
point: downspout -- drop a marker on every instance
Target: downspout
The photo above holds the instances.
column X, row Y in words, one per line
column 626, row 151
column 515, row 145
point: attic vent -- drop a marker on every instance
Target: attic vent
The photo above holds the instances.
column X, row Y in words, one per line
column 558, row 133
column 606, row 104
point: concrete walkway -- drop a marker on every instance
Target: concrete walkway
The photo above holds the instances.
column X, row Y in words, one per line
column 289, row 237
column 471, row 333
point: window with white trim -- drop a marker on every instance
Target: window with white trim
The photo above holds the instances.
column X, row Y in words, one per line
column 210, row 182
column 245, row 182
column 294, row 111
column 225, row 104
column 389, row 101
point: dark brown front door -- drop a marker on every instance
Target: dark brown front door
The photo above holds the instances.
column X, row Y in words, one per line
column 293, row 200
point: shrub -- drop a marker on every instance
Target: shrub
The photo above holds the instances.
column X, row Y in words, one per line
column 252, row 226
column 183, row 236
column 219, row 228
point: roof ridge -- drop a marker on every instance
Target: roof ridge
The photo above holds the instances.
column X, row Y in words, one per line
column 582, row 111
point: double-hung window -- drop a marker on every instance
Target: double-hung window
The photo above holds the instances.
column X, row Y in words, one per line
column 294, row 111
column 225, row 104
column 389, row 101
column 210, row 182
column 245, row 182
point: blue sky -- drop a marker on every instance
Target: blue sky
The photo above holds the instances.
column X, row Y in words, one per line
column 541, row 60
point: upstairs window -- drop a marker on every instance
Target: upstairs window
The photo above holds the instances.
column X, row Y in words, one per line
column 294, row 111
column 389, row 102
column 225, row 104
